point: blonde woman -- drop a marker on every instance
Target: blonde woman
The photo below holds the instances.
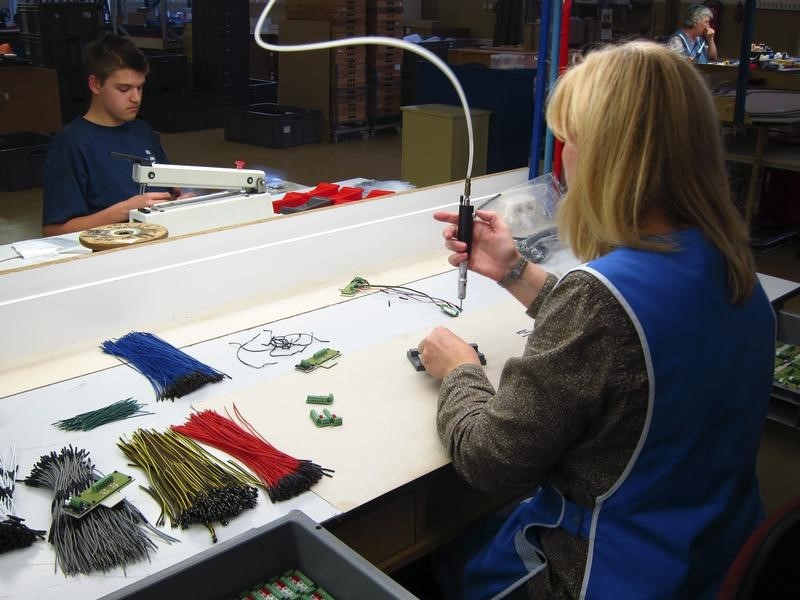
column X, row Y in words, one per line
column 638, row 403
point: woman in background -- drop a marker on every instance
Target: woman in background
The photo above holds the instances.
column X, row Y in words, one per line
column 695, row 40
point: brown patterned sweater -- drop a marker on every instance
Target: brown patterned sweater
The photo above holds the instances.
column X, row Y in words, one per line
column 571, row 410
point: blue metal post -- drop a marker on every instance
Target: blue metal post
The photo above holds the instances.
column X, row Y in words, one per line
column 555, row 38
column 744, row 61
column 538, row 96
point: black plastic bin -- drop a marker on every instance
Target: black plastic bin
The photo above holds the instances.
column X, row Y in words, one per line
column 22, row 160
column 272, row 125
column 74, row 19
column 291, row 542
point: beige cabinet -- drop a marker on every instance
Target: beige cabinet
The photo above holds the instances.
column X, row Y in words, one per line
column 435, row 143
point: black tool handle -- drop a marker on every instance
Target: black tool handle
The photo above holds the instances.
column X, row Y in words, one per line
column 465, row 221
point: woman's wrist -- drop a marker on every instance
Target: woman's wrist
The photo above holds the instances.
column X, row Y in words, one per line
column 514, row 273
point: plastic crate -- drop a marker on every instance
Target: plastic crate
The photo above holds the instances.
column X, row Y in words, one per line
column 291, row 542
column 177, row 115
column 54, row 52
column 260, row 91
column 272, row 125
column 73, row 19
column 167, row 70
column 22, row 160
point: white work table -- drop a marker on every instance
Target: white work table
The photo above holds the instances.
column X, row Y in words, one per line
column 202, row 292
column 389, row 497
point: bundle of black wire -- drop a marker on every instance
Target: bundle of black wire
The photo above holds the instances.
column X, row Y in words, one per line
column 14, row 534
column 402, row 291
column 264, row 343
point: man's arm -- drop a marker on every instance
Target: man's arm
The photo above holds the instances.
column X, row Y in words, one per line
column 116, row 213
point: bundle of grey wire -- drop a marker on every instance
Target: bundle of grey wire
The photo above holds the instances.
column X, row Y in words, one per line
column 103, row 539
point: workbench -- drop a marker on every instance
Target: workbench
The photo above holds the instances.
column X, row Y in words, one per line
column 205, row 292
column 765, row 109
column 394, row 495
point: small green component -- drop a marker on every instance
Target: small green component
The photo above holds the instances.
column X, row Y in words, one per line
column 317, row 359
column 297, row 585
column 358, row 283
column 93, row 496
column 78, row 504
column 320, row 594
column 100, row 484
column 449, row 309
column 333, row 420
column 298, row 574
column 318, row 419
column 311, row 399
column 264, row 593
column 280, row 590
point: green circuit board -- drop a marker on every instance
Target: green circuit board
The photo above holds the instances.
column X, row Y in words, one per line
column 90, row 498
column 787, row 366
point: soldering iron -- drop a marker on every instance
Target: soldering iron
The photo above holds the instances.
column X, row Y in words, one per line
column 464, row 234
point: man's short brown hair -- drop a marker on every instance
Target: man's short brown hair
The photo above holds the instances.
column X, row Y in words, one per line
column 110, row 53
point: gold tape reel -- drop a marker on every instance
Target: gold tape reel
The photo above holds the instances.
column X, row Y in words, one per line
column 120, row 235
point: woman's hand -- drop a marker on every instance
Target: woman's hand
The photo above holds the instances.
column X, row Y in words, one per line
column 493, row 252
column 442, row 351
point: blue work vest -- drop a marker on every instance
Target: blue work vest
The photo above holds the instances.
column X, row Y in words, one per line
column 672, row 523
column 697, row 50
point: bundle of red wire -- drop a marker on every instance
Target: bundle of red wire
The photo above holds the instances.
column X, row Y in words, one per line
column 283, row 476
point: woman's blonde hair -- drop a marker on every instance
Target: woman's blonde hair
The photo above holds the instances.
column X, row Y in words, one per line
column 647, row 137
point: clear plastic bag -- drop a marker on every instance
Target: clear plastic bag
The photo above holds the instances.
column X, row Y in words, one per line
column 529, row 210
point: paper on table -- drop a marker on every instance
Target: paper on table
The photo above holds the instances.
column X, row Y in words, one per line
column 49, row 247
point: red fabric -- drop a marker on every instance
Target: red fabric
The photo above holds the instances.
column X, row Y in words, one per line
column 747, row 553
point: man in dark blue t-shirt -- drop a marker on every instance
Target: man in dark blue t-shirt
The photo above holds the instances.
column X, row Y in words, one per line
column 83, row 186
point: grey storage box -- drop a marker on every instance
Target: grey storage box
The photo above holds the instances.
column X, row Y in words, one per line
column 291, row 542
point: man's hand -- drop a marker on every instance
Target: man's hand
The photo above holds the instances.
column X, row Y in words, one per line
column 709, row 33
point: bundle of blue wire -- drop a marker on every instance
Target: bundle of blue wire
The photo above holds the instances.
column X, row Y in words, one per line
column 172, row 372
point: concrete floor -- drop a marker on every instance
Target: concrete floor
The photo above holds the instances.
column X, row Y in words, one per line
column 379, row 158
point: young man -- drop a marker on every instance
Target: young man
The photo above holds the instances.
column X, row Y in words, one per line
column 84, row 186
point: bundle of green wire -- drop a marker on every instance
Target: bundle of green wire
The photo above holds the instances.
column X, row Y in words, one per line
column 190, row 484
column 124, row 409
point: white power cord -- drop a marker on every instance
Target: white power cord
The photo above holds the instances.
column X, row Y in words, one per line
column 377, row 41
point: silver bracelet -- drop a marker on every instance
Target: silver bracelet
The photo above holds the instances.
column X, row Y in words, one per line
column 515, row 273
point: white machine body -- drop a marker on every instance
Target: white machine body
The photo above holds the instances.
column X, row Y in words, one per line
column 202, row 213
column 245, row 200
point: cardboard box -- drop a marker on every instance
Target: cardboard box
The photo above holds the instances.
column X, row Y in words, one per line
column 483, row 56
column 428, row 27
column 29, row 100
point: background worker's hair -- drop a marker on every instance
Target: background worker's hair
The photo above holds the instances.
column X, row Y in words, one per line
column 110, row 53
column 647, row 137
column 696, row 13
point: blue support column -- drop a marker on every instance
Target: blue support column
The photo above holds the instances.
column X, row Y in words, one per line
column 539, row 90
column 744, row 60
column 555, row 39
